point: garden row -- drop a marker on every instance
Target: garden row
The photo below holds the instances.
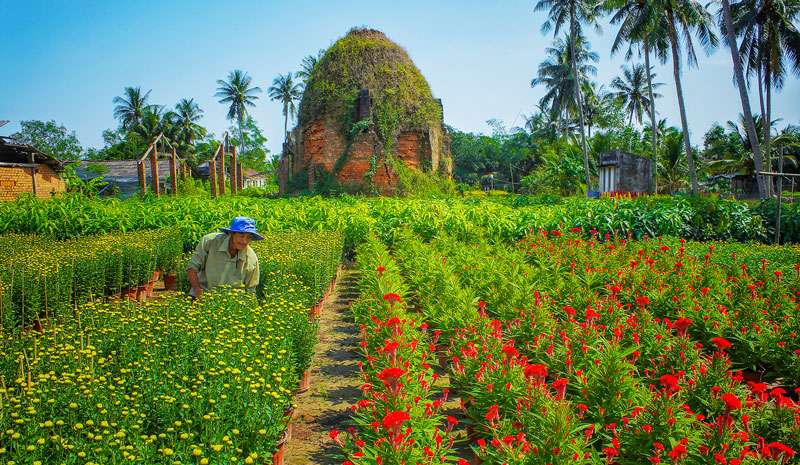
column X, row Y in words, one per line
column 168, row 381
column 572, row 350
column 41, row 276
column 697, row 219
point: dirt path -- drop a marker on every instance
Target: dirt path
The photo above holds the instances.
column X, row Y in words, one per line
column 334, row 379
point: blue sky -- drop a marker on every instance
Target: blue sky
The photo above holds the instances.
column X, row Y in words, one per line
column 66, row 61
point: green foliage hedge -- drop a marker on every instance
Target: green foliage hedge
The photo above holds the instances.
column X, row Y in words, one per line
column 496, row 218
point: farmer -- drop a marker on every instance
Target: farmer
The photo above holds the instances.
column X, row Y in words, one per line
column 225, row 258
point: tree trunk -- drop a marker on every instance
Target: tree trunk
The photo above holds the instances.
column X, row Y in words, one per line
column 652, row 114
column 286, row 122
column 241, row 138
column 578, row 98
column 767, row 125
column 676, row 69
column 748, row 115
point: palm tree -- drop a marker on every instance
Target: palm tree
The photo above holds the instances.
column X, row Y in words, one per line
column 576, row 12
column 632, row 90
column 555, row 74
column 152, row 123
column 187, row 113
column 770, row 42
column 131, row 107
column 595, row 101
column 639, row 26
column 286, row 91
column 308, row 65
column 679, row 18
column 729, row 38
column 237, row 91
column 671, row 166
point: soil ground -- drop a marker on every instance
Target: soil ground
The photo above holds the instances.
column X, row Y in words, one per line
column 334, row 379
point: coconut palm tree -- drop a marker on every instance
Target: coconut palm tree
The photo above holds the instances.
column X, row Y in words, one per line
column 187, row 114
column 555, row 74
column 308, row 65
column 679, row 19
column 672, row 164
column 284, row 90
column 576, row 12
column 187, row 131
column 131, row 107
column 237, row 91
column 770, row 45
column 152, row 123
column 632, row 90
column 640, row 28
column 729, row 38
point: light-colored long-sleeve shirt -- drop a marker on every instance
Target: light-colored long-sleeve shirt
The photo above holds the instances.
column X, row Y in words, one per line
column 215, row 267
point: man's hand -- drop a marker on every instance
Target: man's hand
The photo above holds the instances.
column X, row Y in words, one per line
column 195, row 282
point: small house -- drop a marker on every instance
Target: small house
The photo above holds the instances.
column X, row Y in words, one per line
column 122, row 175
column 25, row 169
column 622, row 171
column 258, row 179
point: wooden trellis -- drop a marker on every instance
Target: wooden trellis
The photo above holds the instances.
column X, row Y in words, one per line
column 153, row 152
column 216, row 167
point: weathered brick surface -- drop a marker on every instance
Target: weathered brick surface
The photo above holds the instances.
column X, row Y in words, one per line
column 15, row 181
column 322, row 144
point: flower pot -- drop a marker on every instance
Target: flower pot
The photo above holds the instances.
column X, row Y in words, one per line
column 150, row 288
column 472, row 436
column 305, row 383
column 141, row 293
column 315, row 311
column 750, row 375
column 129, row 293
column 156, row 274
column 288, row 414
column 170, row 282
column 277, row 457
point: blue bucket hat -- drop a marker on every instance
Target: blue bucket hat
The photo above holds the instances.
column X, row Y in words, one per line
column 243, row 224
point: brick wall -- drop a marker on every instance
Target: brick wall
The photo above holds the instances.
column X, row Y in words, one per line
column 15, row 181
column 322, row 144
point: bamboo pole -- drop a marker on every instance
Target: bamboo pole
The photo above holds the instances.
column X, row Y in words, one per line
column 234, row 172
column 221, row 172
column 142, row 178
column 33, row 176
column 154, row 174
column 173, row 171
column 780, row 197
column 212, row 176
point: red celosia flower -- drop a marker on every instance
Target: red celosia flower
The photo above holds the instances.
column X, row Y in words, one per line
column 392, row 297
column 731, row 402
column 394, row 420
column 721, row 343
column 781, row 448
column 510, row 351
column 641, row 301
column 682, row 324
column 390, row 377
column 536, row 373
column 670, row 383
column 678, row 453
column 560, row 385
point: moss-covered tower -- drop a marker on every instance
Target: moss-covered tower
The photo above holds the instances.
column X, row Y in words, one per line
column 367, row 120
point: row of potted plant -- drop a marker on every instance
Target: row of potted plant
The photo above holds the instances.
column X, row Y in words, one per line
column 155, row 383
column 43, row 277
column 398, row 419
column 165, row 381
column 614, row 382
